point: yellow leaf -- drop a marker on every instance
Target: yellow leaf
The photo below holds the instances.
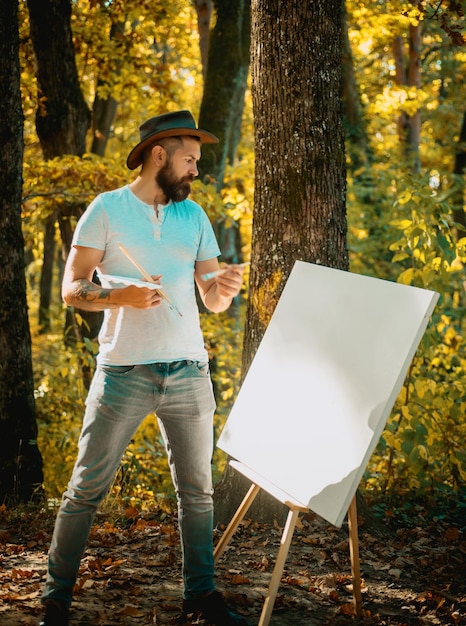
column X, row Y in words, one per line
column 401, row 224
column 404, row 197
column 406, row 277
column 405, row 411
column 401, row 256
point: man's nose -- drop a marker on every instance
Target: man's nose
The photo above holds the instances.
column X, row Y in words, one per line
column 193, row 170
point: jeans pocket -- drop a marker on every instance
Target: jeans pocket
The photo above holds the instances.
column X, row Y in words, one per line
column 117, row 369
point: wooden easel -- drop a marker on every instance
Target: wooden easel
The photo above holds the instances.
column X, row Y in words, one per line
column 296, row 508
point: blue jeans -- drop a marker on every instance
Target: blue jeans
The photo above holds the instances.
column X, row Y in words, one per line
column 120, row 397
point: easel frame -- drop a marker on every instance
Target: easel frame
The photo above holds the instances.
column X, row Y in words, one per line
column 295, row 508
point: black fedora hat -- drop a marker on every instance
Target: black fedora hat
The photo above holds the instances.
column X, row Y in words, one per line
column 174, row 124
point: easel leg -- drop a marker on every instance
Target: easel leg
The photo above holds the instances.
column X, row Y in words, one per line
column 235, row 521
column 354, row 554
column 279, row 565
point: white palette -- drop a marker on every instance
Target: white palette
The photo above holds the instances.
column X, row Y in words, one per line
column 110, row 280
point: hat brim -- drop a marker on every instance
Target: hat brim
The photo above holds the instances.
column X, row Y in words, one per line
column 135, row 156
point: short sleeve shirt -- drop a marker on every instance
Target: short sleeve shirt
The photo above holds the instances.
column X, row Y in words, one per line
column 169, row 244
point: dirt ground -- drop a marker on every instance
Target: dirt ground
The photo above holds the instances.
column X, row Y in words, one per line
column 130, row 574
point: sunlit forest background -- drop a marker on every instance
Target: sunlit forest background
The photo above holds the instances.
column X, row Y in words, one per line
column 405, row 208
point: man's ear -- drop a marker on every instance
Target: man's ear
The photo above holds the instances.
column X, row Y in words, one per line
column 159, row 155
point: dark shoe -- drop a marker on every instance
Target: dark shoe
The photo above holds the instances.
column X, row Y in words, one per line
column 55, row 614
column 213, row 610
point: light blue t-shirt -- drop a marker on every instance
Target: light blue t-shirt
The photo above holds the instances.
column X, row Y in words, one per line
column 167, row 244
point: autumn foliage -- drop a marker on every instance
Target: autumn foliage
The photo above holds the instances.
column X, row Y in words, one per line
column 402, row 226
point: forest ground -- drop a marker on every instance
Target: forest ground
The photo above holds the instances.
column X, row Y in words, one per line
column 413, row 572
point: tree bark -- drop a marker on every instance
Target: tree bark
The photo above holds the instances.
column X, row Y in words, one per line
column 300, row 176
column 20, row 460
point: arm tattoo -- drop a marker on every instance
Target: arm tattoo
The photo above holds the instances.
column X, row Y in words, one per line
column 90, row 297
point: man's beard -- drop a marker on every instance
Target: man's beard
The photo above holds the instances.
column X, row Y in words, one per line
column 176, row 189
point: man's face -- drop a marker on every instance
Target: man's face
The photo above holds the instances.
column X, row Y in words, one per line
column 176, row 176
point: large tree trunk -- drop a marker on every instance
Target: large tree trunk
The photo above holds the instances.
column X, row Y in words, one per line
column 20, row 461
column 299, row 210
column 299, row 206
column 225, row 85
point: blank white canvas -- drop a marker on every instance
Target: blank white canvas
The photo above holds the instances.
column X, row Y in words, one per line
column 324, row 381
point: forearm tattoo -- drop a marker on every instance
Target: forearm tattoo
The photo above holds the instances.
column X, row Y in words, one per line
column 89, row 296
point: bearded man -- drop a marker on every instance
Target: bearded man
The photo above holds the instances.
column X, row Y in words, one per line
column 152, row 357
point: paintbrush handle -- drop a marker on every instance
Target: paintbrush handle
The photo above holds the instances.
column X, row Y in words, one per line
column 147, row 276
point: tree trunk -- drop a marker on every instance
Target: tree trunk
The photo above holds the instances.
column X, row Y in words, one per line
column 355, row 125
column 222, row 106
column 63, row 119
column 400, row 79
column 299, row 210
column 459, row 169
column 104, row 109
column 409, row 74
column 46, row 275
column 225, row 85
column 360, row 155
column 299, row 207
column 414, row 78
column 204, row 15
column 20, row 460
column 103, row 114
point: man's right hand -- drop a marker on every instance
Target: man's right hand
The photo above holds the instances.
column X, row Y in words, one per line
column 137, row 297
column 79, row 291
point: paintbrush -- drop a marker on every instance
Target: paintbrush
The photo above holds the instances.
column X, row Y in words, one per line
column 148, row 277
column 222, row 270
